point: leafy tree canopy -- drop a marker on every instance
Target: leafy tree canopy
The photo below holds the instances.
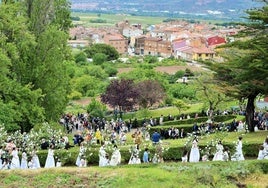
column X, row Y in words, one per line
column 244, row 72
column 120, row 94
column 149, row 93
column 105, row 49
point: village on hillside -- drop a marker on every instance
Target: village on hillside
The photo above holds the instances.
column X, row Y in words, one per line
column 178, row 39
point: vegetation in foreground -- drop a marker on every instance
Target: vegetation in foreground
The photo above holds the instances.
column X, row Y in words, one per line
column 203, row 174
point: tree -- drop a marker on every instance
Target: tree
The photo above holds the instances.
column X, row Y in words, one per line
column 99, row 58
column 182, row 91
column 96, row 108
column 34, row 36
column 181, row 105
column 86, row 85
column 80, row 57
column 20, row 108
column 105, row 49
column 120, row 94
column 244, row 72
column 209, row 92
column 145, row 72
column 45, row 61
column 149, row 93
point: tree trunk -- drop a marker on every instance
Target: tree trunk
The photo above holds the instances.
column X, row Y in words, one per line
column 250, row 112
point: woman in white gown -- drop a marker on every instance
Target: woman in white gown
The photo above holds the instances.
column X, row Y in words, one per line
column 50, row 161
column 265, row 148
column 219, row 152
column 15, row 161
column 261, row 153
column 194, row 153
column 135, row 155
column 82, row 150
column 35, row 163
column 238, row 155
column 103, row 161
column 24, row 163
column 116, row 157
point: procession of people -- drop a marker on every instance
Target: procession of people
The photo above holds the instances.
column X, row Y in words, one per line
column 110, row 137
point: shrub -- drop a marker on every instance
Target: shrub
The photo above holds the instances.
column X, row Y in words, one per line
column 80, row 57
column 199, row 120
column 75, row 95
column 111, row 71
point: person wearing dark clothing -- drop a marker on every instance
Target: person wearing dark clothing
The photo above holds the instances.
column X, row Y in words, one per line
column 44, row 144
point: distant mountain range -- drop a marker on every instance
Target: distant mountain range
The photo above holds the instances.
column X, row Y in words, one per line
column 231, row 10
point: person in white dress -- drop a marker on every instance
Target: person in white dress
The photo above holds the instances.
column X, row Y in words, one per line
column 15, row 161
column 238, row 155
column 31, row 164
column 135, row 158
column 116, row 157
column 5, row 164
column 240, row 126
column 82, row 150
column 103, row 161
column 226, row 154
column 58, row 163
column 35, row 163
column 50, row 161
column 261, row 153
column 24, row 162
column 83, row 163
column 184, row 158
column 218, row 156
column 265, row 148
column 194, row 153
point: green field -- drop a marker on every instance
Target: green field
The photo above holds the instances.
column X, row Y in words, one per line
column 251, row 174
column 112, row 19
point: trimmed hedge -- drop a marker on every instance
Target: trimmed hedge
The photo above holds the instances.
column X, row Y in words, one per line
column 187, row 124
column 68, row 157
column 139, row 122
column 187, row 128
column 221, row 118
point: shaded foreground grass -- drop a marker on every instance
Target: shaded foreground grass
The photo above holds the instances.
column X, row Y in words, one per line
column 204, row 174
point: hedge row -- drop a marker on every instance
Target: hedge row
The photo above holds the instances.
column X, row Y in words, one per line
column 68, row 157
column 221, row 118
column 187, row 128
column 175, row 120
column 187, row 124
column 139, row 122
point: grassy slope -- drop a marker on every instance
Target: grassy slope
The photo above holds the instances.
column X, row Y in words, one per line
column 203, row 174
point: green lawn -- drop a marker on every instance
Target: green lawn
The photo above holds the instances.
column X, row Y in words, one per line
column 250, row 173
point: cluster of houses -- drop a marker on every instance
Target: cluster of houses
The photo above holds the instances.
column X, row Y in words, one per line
column 178, row 39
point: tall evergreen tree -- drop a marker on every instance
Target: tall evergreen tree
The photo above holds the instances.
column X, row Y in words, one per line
column 244, row 74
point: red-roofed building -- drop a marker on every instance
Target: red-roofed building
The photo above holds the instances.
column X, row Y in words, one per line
column 215, row 41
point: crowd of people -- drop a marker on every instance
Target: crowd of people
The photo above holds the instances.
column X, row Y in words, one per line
column 88, row 130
